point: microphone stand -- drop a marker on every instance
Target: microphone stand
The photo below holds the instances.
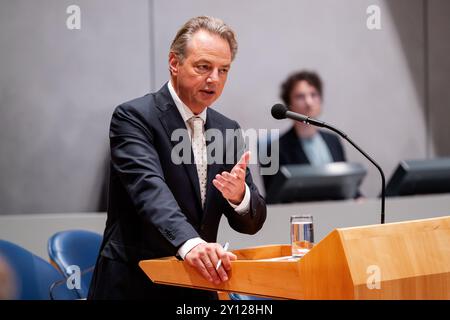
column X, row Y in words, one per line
column 323, row 124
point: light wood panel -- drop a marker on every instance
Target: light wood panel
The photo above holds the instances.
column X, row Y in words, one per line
column 412, row 260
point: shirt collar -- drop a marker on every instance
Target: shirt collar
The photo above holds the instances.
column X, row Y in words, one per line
column 185, row 111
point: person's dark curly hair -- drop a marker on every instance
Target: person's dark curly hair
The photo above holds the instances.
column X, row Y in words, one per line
column 311, row 78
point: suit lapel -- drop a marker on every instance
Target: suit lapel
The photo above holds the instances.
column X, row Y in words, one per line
column 332, row 147
column 297, row 153
column 171, row 120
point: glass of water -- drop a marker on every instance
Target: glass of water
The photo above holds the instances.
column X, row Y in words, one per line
column 302, row 234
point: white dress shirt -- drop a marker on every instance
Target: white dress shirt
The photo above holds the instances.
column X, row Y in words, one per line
column 316, row 150
column 186, row 113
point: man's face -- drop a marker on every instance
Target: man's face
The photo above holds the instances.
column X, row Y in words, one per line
column 305, row 99
column 200, row 78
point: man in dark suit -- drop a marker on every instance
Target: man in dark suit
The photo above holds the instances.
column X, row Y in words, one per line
column 159, row 207
column 303, row 143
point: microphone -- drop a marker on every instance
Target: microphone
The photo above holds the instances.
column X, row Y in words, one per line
column 280, row 112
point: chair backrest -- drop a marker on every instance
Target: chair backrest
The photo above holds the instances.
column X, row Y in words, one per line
column 75, row 247
column 33, row 276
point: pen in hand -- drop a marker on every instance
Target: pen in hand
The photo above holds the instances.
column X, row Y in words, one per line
column 225, row 247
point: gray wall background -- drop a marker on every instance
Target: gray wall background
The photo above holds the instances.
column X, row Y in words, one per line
column 388, row 89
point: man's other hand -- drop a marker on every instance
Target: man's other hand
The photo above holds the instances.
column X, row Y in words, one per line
column 205, row 256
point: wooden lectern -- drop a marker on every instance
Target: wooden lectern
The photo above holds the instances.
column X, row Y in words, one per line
column 406, row 260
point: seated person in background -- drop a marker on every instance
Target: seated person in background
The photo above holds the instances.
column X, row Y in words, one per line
column 301, row 92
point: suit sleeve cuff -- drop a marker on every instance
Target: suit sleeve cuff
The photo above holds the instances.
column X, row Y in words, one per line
column 188, row 246
column 244, row 206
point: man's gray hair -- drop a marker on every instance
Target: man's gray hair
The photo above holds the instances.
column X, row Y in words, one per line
column 210, row 24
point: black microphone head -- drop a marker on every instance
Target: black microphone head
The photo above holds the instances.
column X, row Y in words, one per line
column 279, row 111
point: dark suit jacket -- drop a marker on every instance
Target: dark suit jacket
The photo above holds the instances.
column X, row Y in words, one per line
column 154, row 205
column 291, row 151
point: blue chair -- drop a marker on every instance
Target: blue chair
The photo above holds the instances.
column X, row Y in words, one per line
column 75, row 247
column 33, row 276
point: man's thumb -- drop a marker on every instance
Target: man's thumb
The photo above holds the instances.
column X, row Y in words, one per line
column 244, row 160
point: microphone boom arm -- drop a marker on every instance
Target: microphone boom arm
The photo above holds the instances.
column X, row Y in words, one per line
column 323, row 124
column 383, row 179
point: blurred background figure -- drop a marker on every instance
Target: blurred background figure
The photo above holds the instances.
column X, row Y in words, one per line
column 302, row 92
column 7, row 281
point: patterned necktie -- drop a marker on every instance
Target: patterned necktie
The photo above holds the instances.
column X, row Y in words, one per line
column 199, row 148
